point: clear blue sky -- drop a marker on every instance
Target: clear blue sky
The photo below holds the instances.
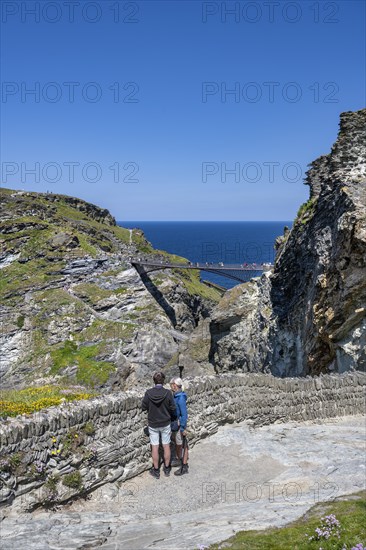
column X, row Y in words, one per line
column 172, row 129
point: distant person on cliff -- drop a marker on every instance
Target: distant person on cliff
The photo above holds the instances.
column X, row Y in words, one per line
column 160, row 406
column 181, row 443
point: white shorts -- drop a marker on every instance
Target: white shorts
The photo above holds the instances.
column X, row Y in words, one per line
column 165, row 432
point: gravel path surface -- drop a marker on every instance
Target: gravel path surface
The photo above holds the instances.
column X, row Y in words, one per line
column 240, row 478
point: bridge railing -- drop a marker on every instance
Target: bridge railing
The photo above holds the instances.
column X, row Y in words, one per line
column 206, row 265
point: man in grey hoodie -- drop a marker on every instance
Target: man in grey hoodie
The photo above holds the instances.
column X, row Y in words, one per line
column 160, row 406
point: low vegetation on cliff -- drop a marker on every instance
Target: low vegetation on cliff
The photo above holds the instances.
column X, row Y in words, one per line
column 74, row 310
column 331, row 525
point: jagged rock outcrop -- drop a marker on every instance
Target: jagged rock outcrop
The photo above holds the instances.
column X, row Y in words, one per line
column 309, row 317
column 74, row 310
column 319, row 281
column 239, row 328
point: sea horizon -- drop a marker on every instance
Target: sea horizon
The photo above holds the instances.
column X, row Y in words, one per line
column 210, row 241
column 203, row 221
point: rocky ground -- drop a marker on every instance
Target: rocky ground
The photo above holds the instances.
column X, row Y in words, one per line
column 265, row 476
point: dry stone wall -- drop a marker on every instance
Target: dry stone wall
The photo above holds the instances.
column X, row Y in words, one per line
column 66, row 451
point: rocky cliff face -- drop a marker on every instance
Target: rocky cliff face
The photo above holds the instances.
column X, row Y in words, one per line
column 240, row 340
column 319, row 282
column 74, row 310
column 310, row 316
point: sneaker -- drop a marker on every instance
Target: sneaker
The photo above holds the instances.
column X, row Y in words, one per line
column 166, row 470
column 154, row 473
column 182, row 470
column 175, row 462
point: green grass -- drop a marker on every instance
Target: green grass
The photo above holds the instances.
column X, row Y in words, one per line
column 98, row 339
column 189, row 278
column 85, row 245
column 158, row 281
column 93, row 235
column 112, row 272
column 102, row 331
column 53, row 298
column 34, row 245
column 68, row 212
column 191, row 281
column 37, row 243
column 94, row 293
column 20, row 321
column 28, row 240
column 121, row 233
column 5, row 191
column 91, row 292
column 120, row 291
column 306, row 211
column 142, row 244
column 26, row 220
column 351, row 513
column 90, row 372
column 73, row 480
column 17, row 278
column 64, row 356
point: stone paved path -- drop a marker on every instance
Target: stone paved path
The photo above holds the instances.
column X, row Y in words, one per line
column 240, row 478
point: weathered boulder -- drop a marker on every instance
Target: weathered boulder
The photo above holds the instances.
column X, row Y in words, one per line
column 239, row 327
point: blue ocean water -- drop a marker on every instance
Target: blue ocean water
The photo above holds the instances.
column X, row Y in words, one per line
column 227, row 242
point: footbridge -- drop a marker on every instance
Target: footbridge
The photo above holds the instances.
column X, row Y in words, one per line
column 238, row 272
